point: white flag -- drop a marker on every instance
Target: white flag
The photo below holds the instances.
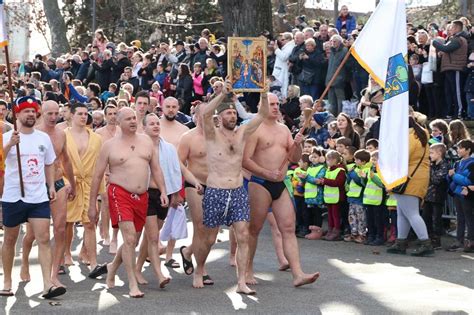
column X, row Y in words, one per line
column 3, row 27
column 381, row 49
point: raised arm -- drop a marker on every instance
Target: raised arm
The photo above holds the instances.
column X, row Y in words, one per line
column 208, row 113
column 263, row 112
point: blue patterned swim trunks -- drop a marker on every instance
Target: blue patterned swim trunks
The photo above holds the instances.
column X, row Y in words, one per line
column 225, row 206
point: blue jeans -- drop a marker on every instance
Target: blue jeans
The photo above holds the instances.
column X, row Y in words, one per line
column 470, row 104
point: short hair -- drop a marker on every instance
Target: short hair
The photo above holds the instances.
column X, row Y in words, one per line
column 107, row 107
column 374, row 154
column 146, row 116
column 352, row 150
column 337, row 37
column 97, row 100
column 142, row 94
column 3, row 103
column 466, row 144
column 439, row 147
column 458, row 23
column 306, row 99
column 310, row 41
column 305, row 158
column 113, row 86
column 76, row 106
column 287, row 35
column 311, row 141
column 362, row 155
column 95, row 88
column 344, row 141
column 128, row 68
column 372, row 142
column 308, row 29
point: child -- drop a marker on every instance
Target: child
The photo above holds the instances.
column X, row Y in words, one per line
column 460, row 177
column 161, row 74
column 334, row 192
column 373, row 201
column 298, row 192
column 319, row 130
column 372, row 145
column 156, row 93
column 437, row 193
column 110, row 93
column 308, row 146
column 313, row 193
column 391, row 204
column 342, row 143
column 357, row 211
column 348, row 156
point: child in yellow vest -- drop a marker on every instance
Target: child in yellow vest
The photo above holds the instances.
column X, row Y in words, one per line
column 298, row 192
column 357, row 210
column 373, row 200
column 313, row 194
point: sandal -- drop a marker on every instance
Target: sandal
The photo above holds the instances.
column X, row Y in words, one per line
column 207, row 280
column 98, row 271
column 172, row 264
column 6, row 292
column 187, row 264
column 54, row 292
column 62, row 270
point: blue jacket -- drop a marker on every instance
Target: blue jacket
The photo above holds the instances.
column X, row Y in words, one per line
column 351, row 24
column 463, row 170
column 75, row 96
column 321, row 136
column 353, row 176
column 83, row 70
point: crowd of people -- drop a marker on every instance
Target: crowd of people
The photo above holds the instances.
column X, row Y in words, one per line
column 137, row 133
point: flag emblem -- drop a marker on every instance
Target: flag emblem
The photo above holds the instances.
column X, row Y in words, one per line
column 397, row 77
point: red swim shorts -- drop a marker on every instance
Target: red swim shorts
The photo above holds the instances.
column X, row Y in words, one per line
column 127, row 206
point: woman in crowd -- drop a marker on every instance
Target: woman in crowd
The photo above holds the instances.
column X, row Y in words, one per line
column 312, row 63
column 373, row 94
column 184, row 88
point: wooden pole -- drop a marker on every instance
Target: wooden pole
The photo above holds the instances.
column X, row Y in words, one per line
column 307, row 122
column 10, row 91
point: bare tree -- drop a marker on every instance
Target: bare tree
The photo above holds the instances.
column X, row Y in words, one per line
column 59, row 41
column 246, row 17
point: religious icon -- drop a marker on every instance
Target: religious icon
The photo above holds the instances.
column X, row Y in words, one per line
column 247, row 63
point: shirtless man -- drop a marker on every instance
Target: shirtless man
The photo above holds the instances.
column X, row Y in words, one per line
column 67, row 115
column 226, row 200
column 6, row 126
column 156, row 214
column 50, row 112
column 264, row 153
column 130, row 158
column 171, row 131
column 83, row 147
column 192, row 153
column 108, row 132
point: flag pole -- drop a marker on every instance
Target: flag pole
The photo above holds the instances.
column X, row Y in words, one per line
column 10, row 91
column 307, row 122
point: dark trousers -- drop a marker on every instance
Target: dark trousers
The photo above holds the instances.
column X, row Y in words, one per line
column 465, row 217
column 300, row 210
column 315, row 215
column 344, row 209
column 376, row 218
column 453, row 92
column 392, row 217
column 432, row 215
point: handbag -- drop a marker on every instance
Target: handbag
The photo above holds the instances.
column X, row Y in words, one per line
column 400, row 189
column 306, row 76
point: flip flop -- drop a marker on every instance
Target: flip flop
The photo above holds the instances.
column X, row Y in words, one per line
column 54, row 292
column 187, row 264
column 139, row 296
column 172, row 264
column 164, row 283
column 62, row 270
column 208, row 279
column 98, row 271
column 7, row 292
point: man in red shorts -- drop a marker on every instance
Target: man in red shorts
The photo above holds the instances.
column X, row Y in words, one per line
column 130, row 158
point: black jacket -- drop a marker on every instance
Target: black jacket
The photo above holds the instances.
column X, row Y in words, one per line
column 438, row 187
column 295, row 67
column 103, row 73
column 119, row 67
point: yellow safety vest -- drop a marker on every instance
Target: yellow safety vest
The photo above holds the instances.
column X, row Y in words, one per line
column 373, row 194
column 297, row 181
column 331, row 194
column 310, row 189
column 355, row 190
column 391, row 201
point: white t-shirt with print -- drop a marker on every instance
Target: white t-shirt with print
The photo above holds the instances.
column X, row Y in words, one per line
column 36, row 151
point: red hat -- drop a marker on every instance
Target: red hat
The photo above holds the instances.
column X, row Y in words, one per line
column 26, row 102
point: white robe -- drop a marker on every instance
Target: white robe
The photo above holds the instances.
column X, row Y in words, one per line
column 280, row 70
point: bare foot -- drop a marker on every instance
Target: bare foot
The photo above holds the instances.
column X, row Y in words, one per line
column 305, row 279
column 110, row 279
column 284, row 267
column 232, row 260
column 113, row 247
column 106, row 242
column 136, row 294
column 140, row 278
column 68, row 260
column 250, row 279
column 83, row 260
column 197, row 281
column 164, row 282
column 55, row 281
column 244, row 289
column 25, row 273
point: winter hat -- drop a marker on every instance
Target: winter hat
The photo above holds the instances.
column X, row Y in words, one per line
column 321, row 118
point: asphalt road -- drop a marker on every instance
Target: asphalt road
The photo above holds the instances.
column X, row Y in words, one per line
column 355, row 279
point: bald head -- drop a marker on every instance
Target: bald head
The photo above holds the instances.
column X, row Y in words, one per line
column 49, row 106
column 125, row 112
column 170, row 108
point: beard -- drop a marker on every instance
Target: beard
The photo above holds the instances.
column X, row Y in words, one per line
column 29, row 123
column 170, row 118
column 228, row 125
